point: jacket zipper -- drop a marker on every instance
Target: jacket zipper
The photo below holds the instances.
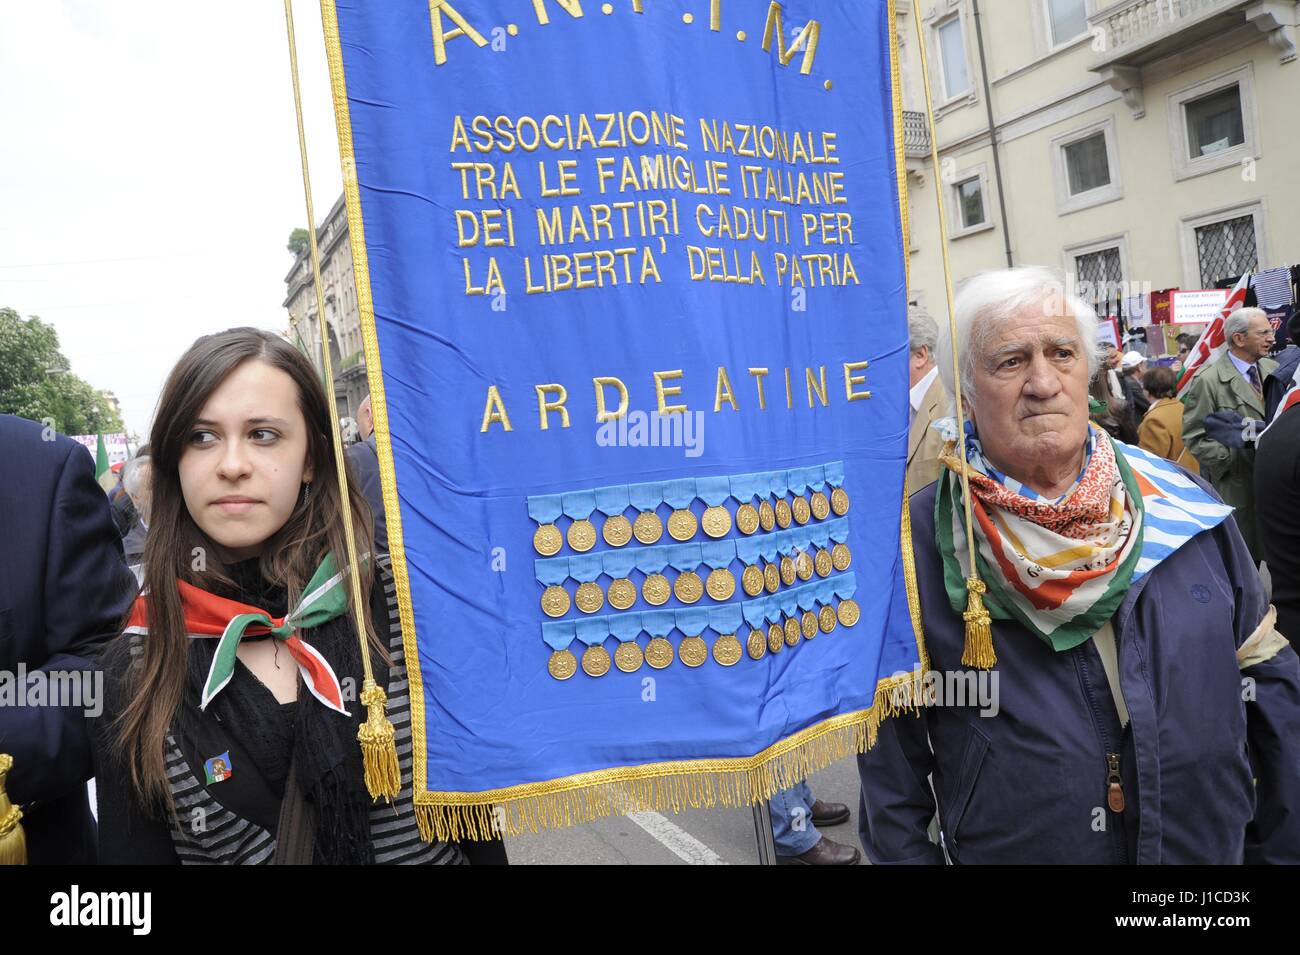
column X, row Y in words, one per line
column 1114, row 784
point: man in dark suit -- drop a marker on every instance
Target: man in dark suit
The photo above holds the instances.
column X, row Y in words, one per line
column 64, row 589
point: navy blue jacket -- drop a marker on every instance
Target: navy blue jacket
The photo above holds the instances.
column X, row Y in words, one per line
column 1029, row 785
column 64, row 590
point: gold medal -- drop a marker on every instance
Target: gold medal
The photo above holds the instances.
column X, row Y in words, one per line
column 595, row 661
column 622, row 593
column 659, row 653
column 752, row 581
column 582, row 535
column 840, row 501
column 766, row 516
column 655, row 590
column 821, row 507
column 822, row 563
column 693, row 651
column 803, row 566
column 688, row 587
column 775, row 638
column 716, row 521
column 792, row 631
column 787, row 571
column 727, row 650
column 617, row 530
column 771, row 578
column 801, row 510
column 783, row 516
column 721, row 584
column 756, row 645
column 747, row 518
column 849, row 612
column 628, row 657
column 648, row 528
column 562, row 664
column 589, row 597
column 682, row 524
column 555, row 601
column 809, row 624
column 826, row 618
column 547, row 540
column 841, row 557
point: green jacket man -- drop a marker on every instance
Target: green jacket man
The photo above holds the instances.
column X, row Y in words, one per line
column 1226, row 385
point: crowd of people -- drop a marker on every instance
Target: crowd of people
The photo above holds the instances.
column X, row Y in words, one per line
column 1149, row 703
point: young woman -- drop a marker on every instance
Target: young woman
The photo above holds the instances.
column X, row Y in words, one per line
column 207, row 757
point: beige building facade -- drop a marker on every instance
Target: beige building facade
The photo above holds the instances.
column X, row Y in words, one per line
column 1147, row 142
column 342, row 313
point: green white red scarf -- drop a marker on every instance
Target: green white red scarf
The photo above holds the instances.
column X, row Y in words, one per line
column 207, row 615
column 1060, row 568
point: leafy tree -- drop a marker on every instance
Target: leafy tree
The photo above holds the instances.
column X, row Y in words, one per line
column 36, row 381
column 299, row 241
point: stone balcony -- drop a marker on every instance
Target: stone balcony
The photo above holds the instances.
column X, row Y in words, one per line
column 1131, row 34
column 916, row 135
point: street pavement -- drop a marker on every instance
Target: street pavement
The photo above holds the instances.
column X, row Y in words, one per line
column 692, row 837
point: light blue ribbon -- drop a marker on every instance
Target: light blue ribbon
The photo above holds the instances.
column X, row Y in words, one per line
column 552, row 572
column 713, row 490
column 679, row 494
column 545, row 508
column 619, row 563
column 586, row 567
column 579, row 504
column 593, row 631
column 558, row 634
column 612, row 500
column 725, row 619
column 692, row 620
column 684, row 557
column 646, row 496
column 718, row 554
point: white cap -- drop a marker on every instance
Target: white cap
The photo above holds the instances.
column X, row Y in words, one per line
column 1131, row 359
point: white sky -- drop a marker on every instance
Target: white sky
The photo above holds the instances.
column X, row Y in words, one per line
column 149, row 175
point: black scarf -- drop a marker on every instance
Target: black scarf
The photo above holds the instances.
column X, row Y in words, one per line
column 325, row 750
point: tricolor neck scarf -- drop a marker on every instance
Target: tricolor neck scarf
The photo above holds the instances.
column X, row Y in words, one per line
column 209, row 615
column 1062, row 567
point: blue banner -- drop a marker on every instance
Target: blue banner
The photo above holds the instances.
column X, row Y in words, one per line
column 623, row 268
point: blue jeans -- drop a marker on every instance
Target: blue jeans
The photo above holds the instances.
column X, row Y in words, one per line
column 793, row 831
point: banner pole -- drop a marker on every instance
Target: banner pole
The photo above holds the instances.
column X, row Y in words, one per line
column 376, row 735
column 978, row 651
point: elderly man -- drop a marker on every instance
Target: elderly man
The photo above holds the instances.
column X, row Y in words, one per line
column 136, row 479
column 928, row 398
column 1146, row 710
column 1234, row 384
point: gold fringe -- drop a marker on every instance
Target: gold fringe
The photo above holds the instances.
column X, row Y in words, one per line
column 378, row 749
column 702, row 789
column 978, row 651
column 13, row 842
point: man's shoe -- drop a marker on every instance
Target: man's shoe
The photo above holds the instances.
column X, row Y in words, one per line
column 829, row 813
column 826, row 852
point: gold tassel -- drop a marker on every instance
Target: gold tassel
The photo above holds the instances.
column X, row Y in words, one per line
column 378, row 750
column 13, row 842
column 978, row 651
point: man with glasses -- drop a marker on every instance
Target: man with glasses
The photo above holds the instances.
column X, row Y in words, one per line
column 1224, row 406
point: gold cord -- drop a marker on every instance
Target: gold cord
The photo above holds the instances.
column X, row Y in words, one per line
column 376, row 734
column 979, row 641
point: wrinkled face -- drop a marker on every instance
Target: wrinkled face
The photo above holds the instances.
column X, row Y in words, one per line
column 245, row 460
column 1031, row 391
column 1257, row 341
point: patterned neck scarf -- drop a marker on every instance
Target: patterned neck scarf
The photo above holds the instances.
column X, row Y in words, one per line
column 1062, row 567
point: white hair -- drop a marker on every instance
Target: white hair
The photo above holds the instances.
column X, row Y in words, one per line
column 1238, row 323
column 987, row 299
column 922, row 330
column 133, row 476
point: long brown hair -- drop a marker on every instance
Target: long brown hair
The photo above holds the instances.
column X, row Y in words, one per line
column 176, row 549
